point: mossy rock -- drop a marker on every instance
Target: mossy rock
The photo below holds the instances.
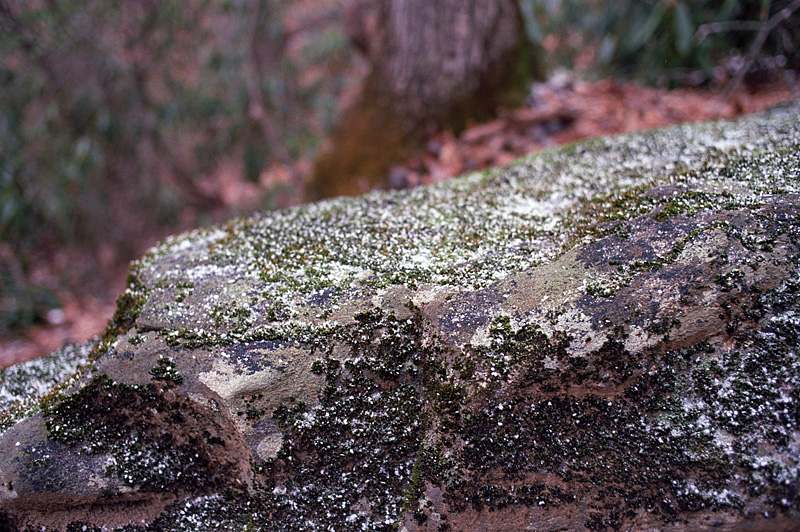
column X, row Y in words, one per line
column 601, row 336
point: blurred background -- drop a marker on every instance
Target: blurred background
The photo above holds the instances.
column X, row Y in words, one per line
column 125, row 121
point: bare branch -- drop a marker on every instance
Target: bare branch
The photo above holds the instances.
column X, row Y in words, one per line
column 758, row 43
column 729, row 25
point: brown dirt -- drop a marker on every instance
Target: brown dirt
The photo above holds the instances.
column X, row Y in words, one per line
column 77, row 321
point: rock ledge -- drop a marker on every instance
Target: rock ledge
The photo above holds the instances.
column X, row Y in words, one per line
column 599, row 337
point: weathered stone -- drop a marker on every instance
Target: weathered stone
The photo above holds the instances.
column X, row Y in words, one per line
column 603, row 336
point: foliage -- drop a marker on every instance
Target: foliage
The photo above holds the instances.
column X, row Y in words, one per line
column 113, row 114
column 666, row 42
column 21, row 303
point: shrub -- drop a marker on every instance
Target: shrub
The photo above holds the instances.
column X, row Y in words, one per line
column 669, row 43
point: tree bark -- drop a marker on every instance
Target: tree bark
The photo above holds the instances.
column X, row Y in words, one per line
column 435, row 64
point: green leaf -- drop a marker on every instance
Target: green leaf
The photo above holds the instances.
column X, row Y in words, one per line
column 638, row 38
column 684, row 29
column 608, row 47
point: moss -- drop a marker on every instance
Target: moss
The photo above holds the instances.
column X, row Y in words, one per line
column 231, row 316
column 522, row 435
column 347, row 462
column 185, row 289
column 128, row 423
column 729, row 279
column 137, row 339
column 26, row 387
column 129, row 306
column 252, row 412
column 582, row 193
column 664, row 325
column 166, row 370
column 430, row 466
column 365, row 454
column 192, row 338
column 511, row 349
column 352, row 456
column 601, row 289
column 673, row 208
column 621, row 432
column 341, row 248
column 318, row 367
column 656, row 440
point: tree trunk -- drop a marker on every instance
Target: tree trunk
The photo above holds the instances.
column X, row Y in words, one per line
column 435, row 64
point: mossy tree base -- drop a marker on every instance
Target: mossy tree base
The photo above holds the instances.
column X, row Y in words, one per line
column 435, row 66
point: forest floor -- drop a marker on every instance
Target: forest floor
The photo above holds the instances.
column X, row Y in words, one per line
column 560, row 111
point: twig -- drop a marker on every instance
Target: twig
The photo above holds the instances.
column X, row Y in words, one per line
column 755, row 48
column 729, row 25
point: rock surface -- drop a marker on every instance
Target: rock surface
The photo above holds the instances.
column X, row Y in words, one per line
column 603, row 336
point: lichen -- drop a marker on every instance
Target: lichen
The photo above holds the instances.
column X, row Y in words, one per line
column 685, row 432
column 464, row 234
column 526, row 413
column 128, row 424
column 24, row 386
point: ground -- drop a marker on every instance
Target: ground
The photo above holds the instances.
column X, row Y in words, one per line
column 560, row 111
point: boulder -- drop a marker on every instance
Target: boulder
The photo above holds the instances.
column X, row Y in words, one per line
column 598, row 337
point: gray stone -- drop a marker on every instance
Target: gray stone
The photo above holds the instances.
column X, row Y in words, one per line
column 603, row 336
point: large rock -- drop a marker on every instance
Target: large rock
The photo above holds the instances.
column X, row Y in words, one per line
column 603, row 336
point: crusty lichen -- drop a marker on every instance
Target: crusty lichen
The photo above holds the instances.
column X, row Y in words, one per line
column 465, row 234
column 504, row 405
column 711, row 427
column 23, row 386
